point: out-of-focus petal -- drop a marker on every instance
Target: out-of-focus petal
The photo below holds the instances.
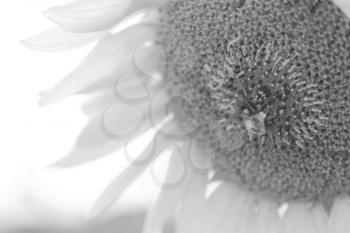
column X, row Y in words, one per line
column 169, row 197
column 130, row 89
column 298, row 219
column 192, row 205
column 217, row 208
column 320, row 219
column 96, row 15
column 339, row 219
column 99, row 100
column 248, row 217
column 115, row 190
column 58, row 39
column 127, row 89
column 122, row 121
column 89, row 15
column 112, row 56
column 149, row 59
column 238, row 203
column 105, row 134
column 268, row 219
column 344, row 5
column 91, row 144
column 137, row 4
column 122, row 181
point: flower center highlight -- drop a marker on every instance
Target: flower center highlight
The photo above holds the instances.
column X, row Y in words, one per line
column 267, row 83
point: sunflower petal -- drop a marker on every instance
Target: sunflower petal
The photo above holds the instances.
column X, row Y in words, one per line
column 111, row 56
column 344, row 5
column 268, row 219
column 96, row 15
column 127, row 89
column 89, row 15
column 115, row 190
column 239, row 200
column 92, row 144
column 298, row 219
column 247, row 217
column 105, row 134
column 122, row 181
column 339, row 219
column 99, row 99
column 320, row 219
column 217, row 208
column 58, row 39
column 192, row 204
column 168, row 198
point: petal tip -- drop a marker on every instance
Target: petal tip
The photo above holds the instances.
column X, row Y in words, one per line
column 30, row 43
column 49, row 14
column 58, row 164
column 46, row 99
column 26, row 43
column 96, row 211
column 55, row 17
column 68, row 161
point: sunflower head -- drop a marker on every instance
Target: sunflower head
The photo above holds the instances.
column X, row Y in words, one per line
column 267, row 83
column 251, row 93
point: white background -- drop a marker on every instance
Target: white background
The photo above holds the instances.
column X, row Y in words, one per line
column 32, row 138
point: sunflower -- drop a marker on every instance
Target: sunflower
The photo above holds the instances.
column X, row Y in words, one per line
column 250, row 97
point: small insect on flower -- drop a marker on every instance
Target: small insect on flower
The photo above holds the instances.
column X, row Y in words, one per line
column 255, row 125
column 250, row 96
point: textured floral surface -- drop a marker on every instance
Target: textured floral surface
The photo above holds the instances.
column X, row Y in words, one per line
column 128, row 96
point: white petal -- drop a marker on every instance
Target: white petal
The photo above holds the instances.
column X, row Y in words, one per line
column 91, row 145
column 89, row 15
column 169, row 197
column 217, row 208
column 198, row 160
column 268, row 219
column 247, row 218
column 320, row 219
column 122, row 181
column 344, row 5
column 99, row 99
column 122, row 121
column 127, row 89
column 340, row 215
column 96, row 15
column 191, row 210
column 58, row 39
column 115, row 190
column 111, row 56
column 149, row 60
column 239, row 200
column 179, row 125
column 175, row 177
column 98, row 139
column 130, row 89
column 298, row 219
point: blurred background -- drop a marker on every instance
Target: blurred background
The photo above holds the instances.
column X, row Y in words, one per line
column 34, row 196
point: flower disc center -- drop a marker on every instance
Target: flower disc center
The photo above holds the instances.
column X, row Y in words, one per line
column 268, row 84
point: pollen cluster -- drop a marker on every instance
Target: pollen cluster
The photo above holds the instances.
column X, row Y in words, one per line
column 268, row 85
